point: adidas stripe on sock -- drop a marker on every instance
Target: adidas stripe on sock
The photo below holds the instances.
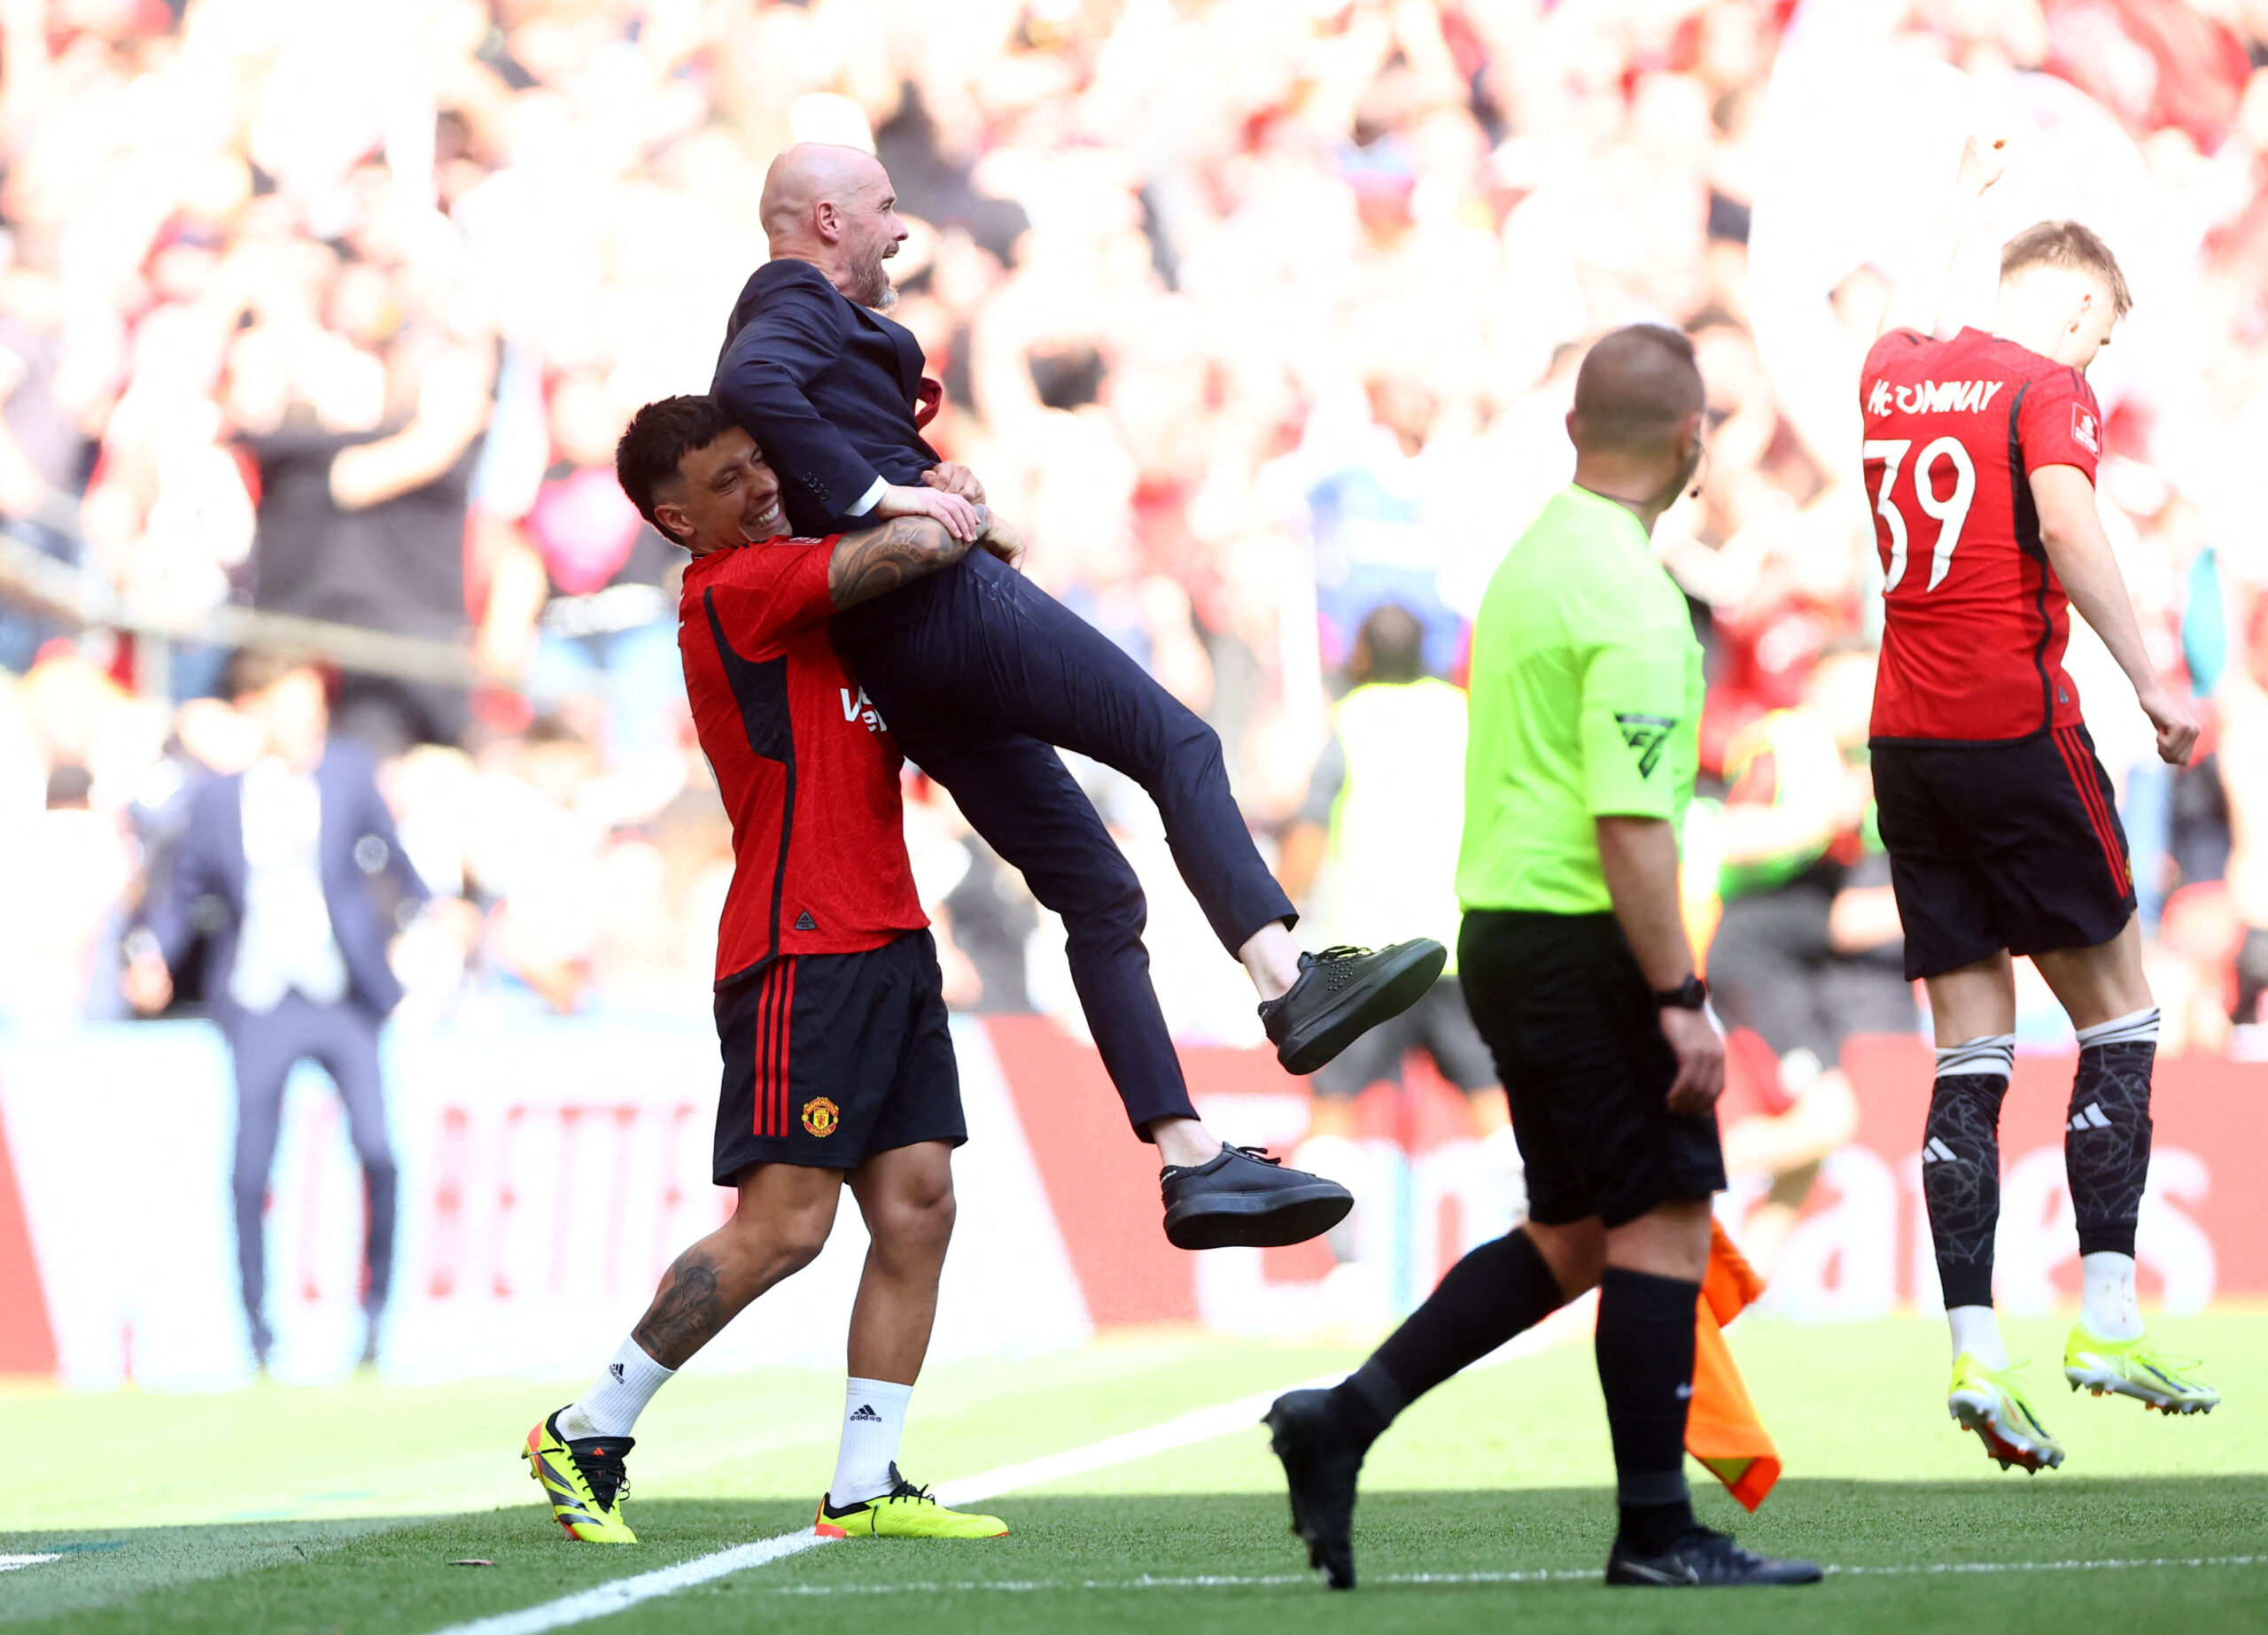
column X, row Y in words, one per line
column 2106, row 1136
column 610, row 1408
column 873, row 1424
column 1961, row 1163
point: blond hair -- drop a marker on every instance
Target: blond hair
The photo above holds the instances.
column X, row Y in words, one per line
column 2066, row 244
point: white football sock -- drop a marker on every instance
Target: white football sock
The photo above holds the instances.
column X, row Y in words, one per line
column 2107, row 1304
column 1977, row 1331
column 2135, row 1027
column 874, row 1422
column 610, row 1408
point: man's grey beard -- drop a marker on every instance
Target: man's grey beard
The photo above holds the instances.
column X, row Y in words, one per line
column 875, row 292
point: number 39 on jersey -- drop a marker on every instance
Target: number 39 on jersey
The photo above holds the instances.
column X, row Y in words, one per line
column 1975, row 622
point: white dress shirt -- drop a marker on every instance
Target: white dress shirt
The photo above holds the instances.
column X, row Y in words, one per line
column 286, row 940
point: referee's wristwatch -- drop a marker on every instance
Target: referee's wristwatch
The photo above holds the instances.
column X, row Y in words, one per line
column 1690, row 995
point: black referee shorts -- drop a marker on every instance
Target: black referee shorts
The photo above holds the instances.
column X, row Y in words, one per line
column 1571, row 1021
column 2012, row 844
column 1440, row 1025
column 830, row 1058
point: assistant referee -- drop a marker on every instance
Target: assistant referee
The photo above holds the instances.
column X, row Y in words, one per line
column 1586, row 706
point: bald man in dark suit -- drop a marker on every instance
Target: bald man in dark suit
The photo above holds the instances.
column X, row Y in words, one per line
column 979, row 674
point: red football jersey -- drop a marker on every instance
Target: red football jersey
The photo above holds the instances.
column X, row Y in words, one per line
column 806, row 768
column 1975, row 620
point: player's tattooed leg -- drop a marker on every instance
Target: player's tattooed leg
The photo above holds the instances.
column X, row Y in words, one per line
column 2107, row 1133
column 687, row 1311
column 1961, row 1182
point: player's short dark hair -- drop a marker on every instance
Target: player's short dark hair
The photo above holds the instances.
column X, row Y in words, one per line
column 657, row 438
column 2066, row 244
column 1394, row 638
column 1636, row 385
column 255, row 670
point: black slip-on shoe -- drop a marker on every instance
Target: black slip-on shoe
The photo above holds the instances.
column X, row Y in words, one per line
column 1343, row 993
column 1703, row 1558
column 1320, row 1464
column 1242, row 1198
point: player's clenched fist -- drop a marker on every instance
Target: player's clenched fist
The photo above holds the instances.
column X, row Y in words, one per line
column 1984, row 160
column 2176, row 728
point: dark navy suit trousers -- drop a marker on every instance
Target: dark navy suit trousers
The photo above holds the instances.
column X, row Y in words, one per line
column 977, row 672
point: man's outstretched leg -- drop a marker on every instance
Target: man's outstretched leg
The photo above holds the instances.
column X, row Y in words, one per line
column 985, row 643
column 1016, row 793
column 1495, row 1291
column 778, row 1227
column 906, row 1197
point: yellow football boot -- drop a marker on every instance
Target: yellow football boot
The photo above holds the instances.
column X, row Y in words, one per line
column 905, row 1512
column 583, row 1479
column 2131, row 1368
column 1986, row 1401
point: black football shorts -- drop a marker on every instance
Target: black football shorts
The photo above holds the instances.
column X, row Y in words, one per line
column 830, row 1058
column 1571, row 1023
column 2014, row 845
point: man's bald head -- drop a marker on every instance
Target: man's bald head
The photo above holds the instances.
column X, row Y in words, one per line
column 834, row 207
column 1637, row 387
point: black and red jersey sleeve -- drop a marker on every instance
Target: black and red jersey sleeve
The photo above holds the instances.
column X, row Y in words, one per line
column 2060, row 423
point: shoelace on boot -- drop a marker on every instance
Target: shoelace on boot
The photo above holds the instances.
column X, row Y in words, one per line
column 607, row 1478
column 1258, row 1155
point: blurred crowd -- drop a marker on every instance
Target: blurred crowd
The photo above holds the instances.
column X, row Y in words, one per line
column 1257, row 315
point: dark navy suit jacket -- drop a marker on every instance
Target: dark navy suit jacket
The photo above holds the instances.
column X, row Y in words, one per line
column 356, row 847
column 827, row 389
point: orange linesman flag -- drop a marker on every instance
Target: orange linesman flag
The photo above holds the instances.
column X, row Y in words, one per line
column 1721, row 1429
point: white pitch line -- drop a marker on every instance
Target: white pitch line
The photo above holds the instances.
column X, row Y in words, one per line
column 10, row 1563
column 1563, row 1575
column 1199, row 1425
column 608, row 1599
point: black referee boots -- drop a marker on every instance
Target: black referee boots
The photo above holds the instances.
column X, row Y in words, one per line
column 1703, row 1558
column 1321, row 1462
column 1343, row 993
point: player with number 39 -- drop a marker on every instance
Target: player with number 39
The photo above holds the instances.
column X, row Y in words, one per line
column 2001, row 828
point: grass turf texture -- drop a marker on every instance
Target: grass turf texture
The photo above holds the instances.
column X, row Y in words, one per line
column 1500, row 1472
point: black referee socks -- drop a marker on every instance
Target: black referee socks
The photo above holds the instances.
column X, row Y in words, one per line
column 1501, row 1289
column 1646, row 1369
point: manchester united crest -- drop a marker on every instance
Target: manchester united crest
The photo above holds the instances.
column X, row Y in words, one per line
column 820, row 1116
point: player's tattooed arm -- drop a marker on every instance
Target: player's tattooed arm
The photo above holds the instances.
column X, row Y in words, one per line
column 687, row 1311
column 877, row 561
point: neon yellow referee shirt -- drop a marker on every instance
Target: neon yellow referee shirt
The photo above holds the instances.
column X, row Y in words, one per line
column 1586, row 703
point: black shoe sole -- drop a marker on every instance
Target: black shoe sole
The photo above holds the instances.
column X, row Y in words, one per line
column 1390, row 989
column 1771, row 1573
column 1267, row 1219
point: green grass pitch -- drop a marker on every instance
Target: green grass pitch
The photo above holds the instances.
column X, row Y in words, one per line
column 279, row 1509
